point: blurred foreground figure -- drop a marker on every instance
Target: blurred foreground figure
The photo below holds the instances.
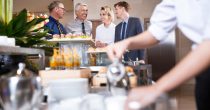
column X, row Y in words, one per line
column 192, row 18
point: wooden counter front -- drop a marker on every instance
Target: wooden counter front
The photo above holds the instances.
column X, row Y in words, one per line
column 49, row 75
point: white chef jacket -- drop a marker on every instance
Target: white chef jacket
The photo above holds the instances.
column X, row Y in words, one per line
column 191, row 17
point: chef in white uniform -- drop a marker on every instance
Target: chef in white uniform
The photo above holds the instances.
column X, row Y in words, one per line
column 192, row 17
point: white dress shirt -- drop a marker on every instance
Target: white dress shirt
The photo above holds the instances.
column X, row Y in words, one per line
column 105, row 34
column 191, row 17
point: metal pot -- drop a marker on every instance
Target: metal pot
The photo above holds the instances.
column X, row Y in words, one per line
column 21, row 91
column 10, row 62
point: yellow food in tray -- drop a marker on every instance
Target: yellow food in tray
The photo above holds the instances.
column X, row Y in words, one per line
column 70, row 36
column 96, row 50
column 129, row 69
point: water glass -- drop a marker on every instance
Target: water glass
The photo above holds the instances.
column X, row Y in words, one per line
column 93, row 102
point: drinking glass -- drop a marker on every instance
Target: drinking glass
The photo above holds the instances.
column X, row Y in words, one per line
column 93, row 102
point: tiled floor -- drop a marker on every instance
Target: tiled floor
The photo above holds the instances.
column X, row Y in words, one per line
column 184, row 97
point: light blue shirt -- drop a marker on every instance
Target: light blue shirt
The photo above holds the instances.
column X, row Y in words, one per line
column 75, row 27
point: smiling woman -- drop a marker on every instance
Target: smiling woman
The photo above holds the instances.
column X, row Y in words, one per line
column 106, row 31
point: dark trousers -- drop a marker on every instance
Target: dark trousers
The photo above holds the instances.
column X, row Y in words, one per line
column 202, row 90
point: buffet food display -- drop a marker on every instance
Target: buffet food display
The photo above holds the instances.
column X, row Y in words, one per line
column 96, row 50
column 71, row 36
column 71, row 53
column 68, row 59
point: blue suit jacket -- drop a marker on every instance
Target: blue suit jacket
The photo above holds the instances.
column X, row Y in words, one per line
column 133, row 28
column 52, row 26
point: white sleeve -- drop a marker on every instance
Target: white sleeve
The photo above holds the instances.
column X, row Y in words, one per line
column 163, row 20
column 89, row 23
column 207, row 29
column 68, row 28
column 97, row 32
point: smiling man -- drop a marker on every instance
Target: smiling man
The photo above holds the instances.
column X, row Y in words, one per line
column 80, row 25
column 56, row 10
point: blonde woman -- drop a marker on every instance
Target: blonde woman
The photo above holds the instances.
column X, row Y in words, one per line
column 105, row 32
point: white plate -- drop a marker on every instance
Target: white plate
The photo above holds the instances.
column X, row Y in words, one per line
column 96, row 51
column 71, row 40
column 75, row 40
column 95, row 68
column 61, row 89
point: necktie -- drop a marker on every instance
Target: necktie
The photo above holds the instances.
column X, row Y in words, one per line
column 123, row 31
column 59, row 27
column 83, row 28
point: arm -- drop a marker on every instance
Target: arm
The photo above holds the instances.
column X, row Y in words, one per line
column 145, row 39
column 98, row 42
column 63, row 29
column 97, row 34
column 196, row 61
column 68, row 28
column 163, row 21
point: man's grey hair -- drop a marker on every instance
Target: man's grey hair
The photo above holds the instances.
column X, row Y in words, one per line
column 77, row 6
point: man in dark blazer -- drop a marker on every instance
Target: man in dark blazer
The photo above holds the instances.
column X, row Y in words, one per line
column 130, row 26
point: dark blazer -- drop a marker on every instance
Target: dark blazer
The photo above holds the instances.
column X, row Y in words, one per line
column 53, row 26
column 133, row 28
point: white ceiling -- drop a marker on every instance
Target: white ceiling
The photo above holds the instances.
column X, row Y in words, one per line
column 38, row 5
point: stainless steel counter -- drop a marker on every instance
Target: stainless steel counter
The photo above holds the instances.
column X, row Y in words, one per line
column 9, row 50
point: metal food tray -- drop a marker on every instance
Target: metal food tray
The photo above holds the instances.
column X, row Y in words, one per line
column 74, row 40
column 95, row 68
column 95, row 52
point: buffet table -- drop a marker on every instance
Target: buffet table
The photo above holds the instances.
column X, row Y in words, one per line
column 116, row 102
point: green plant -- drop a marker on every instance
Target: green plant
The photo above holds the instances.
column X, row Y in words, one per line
column 6, row 8
column 21, row 29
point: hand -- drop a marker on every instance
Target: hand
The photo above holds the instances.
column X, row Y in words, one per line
column 57, row 36
column 116, row 50
column 103, row 45
column 100, row 44
column 62, row 35
column 69, row 35
column 141, row 97
column 141, row 61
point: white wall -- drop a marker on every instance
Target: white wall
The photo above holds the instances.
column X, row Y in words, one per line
column 41, row 6
column 139, row 8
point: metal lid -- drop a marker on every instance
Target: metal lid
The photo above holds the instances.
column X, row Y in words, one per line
column 116, row 71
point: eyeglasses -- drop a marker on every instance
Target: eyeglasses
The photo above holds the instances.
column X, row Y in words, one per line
column 62, row 8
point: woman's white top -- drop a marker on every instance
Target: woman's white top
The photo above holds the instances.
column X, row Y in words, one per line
column 105, row 34
column 191, row 16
